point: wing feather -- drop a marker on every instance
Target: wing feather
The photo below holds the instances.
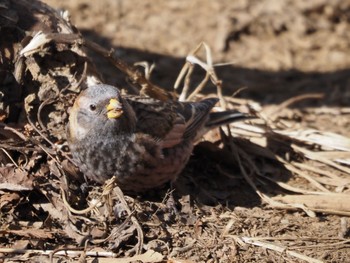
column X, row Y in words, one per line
column 170, row 122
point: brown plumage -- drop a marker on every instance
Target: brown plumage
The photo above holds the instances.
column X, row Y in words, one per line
column 142, row 141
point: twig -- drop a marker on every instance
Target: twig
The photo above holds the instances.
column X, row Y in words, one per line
column 27, row 108
column 38, row 114
column 9, row 156
column 200, row 87
column 134, row 75
column 66, row 252
column 279, row 248
column 18, row 133
column 139, row 245
column 80, row 81
column 115, row 231
column 313, row 156
column 187, row 82
column 316, row 170
column 179, row 250
column 322, row 245
column 40, row 39
column 147, row 67
column 293, row 100
column 302, row 174
column 107, row 189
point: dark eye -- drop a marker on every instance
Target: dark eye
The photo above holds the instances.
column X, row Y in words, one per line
column 92, row 107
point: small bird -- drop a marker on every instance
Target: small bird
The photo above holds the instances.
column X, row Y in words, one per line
column 142, row 141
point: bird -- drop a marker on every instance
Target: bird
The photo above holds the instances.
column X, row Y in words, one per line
column 142, row 141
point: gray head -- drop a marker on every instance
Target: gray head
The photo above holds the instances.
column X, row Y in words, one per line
column 100, row 109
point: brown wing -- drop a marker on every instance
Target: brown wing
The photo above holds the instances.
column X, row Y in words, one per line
column 170, row 122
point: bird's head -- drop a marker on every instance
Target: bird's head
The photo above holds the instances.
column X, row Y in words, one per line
column 100, row 109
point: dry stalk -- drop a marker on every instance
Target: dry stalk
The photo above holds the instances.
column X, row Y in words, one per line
column 279, row 248
column 107, row 190
column 187, row 70
column 148, row 68
column 314, row 156
column 303, row 175
column 273, row 115
column 139, row 246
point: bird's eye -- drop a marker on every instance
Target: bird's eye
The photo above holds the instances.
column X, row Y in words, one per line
column 92, row 107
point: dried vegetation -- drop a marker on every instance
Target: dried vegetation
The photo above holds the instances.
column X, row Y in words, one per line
column 275, row 188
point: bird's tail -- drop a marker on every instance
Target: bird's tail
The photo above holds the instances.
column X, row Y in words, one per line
column 225, row 117
column 217, row 119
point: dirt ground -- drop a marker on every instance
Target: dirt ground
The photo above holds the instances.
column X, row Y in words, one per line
column 269, row 51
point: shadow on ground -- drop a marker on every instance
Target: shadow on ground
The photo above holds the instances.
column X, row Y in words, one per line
column 266, row 87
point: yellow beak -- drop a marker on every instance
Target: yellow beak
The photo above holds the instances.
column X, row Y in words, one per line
column 114, row 109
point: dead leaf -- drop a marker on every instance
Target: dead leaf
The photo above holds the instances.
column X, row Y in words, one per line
column 150, row 256
column 15, row 179
column 8, row 199
column 29, row 233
